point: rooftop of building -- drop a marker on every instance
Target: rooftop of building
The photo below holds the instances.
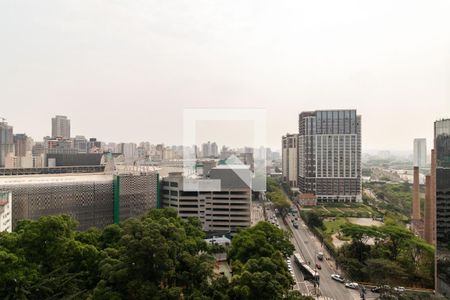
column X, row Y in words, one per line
column 222, row 176
column 54, row 178
column 313, row 112
column 228, row 167
column 65, row 177
column 307, row 196
column 51, row 170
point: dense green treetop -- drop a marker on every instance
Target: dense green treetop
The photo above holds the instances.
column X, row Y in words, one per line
column 278, row 198
column 394, row 256
column 259, row 268
column 158, row 256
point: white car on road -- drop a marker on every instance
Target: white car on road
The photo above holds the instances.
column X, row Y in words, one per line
column 337, row 277
column 352, row 285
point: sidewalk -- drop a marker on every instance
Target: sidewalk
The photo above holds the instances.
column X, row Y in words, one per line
column 257, row 212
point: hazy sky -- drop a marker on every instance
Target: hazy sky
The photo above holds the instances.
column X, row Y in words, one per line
column 124, row 70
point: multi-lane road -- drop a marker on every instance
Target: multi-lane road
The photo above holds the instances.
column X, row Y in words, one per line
column 308, row 246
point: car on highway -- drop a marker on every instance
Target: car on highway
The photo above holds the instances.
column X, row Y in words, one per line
column 295, row 224
column 337, row 277
column 399, row 289
column 351, row 285
column 318, row 266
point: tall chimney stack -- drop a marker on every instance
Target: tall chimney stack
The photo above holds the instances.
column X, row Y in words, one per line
column 416, row 196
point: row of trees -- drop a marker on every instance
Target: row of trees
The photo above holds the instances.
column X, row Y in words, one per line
column 312, row 219
column 390, row 254
column 258, row 261
column 396, row 197
column 278, row 198
column 158, row 256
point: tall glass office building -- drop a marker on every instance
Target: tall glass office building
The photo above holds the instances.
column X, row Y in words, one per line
column 442, row 148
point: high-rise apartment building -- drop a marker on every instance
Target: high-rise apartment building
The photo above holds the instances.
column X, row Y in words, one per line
column 441, row 186
column 420, row 153
column 61, row 127
column 289, row 159
column 214, row 150
column 206, row 149
column 22, row 144
column 6, row 142
column 329, row 162
column 129, row 150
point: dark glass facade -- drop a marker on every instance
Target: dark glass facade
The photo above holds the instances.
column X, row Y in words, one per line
column 442, row 148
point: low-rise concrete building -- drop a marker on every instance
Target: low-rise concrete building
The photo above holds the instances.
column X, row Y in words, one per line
column 93, row 199
column 307, row 199
column 222, row 202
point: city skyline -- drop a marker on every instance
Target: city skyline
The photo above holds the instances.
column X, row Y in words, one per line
column 206, row 136
column 225, row 149
column 141, row 65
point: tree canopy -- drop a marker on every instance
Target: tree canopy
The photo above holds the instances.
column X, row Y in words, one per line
column 259, row 268
column 312, row 219
column 158, row 256
column 394, row 255
column 278, row 198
